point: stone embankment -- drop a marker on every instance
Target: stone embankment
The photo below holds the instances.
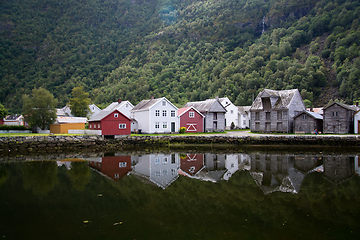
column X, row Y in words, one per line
column 53, row 143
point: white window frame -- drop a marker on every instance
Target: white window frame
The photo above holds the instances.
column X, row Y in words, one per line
column 164, row 124
column 164, row 113
column 122, row 164
column 164, row 103
column 191, row 114
column 99, row 125
column 116, row 115
column 157, row 125
column 172, row 113
column 157, row 113
column 165, row 160
column 122, row 125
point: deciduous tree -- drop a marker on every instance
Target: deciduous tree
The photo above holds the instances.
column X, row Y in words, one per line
column 79, row 103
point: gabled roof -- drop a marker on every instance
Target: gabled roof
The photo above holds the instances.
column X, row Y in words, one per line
column 348, row 107
column 243, row 109
column 117, row 105
column 204, row 106
column 61, row 120
column 311, row 114
column 182, row 111
column 145, row 105
column 225, row 102
column 13, row 117
column 101, row 115
column 282, row 98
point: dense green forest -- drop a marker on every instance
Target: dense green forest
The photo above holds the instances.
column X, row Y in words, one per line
column 185, row 50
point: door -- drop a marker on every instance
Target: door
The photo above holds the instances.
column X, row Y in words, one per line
column 172, row 126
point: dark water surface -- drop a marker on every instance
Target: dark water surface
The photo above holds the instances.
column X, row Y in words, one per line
column 195, row 195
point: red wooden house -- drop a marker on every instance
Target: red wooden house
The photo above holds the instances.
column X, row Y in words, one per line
column 191, row 164
column 114, row 167
column 111, row 123
column 191, row 119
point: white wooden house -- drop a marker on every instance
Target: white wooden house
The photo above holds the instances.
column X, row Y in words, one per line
column 244, row 117
column 231, row 116
column 155, row 116
column 357, row 122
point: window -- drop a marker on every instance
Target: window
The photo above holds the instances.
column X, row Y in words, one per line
column 165, row 160
column 267, row 116
column 257, row 116
column 164, row 103
column 122, row 125
column 165, row 172
column 244, row 122
column 335, row 114
column 157, row 113
column 172, row 158
column 164, row 113
column 157, row 173
column 279, row 115
column 257, row 126
column 122, row 164
column 164, row 124
column 98, row 125
column 172, row 113
column 157, row 125
column 304, row 116
column 191, row 114
column 157, row 161
column 215, row 116
column 116, row 115
column 173, row 171
column 231, row 111
column 90, row 125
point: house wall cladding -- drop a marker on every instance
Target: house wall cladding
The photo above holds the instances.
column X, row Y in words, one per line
column 278, row 122
column 307, row 125
column 340, row 123
column 209, row 122
column 338, row 168
column 269, row 163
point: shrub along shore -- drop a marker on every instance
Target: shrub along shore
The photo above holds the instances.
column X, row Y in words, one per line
column 59, row 143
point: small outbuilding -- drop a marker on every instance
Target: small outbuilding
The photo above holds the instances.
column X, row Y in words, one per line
column 191, row 119
column 307, row 122
column 339, row 118
column 64, row 124
column 111, row 123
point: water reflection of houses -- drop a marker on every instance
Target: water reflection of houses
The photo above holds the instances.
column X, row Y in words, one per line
column 211, row 167
column 158, row 169
column 275, row 172
column 114, row 167
column 338, row 168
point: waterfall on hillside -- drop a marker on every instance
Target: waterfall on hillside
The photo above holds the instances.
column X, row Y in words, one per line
column 263, row 26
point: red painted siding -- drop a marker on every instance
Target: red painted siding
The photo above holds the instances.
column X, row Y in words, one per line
column 110, row 124
column 192, row 163
column 195, row 124
column 113, row 167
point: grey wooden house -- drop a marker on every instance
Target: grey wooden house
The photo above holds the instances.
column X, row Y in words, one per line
column 214, row 113
column 307, row 122
column 339, row 118
column 273, row 111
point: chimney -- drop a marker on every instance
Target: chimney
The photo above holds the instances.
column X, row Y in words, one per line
column 119, row 100
column 357, row 104
column 311, row 109
column 152, row 97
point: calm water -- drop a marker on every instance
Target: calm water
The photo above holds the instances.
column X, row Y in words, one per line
column 195, row 195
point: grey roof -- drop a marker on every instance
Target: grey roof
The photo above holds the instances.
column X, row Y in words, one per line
column 282, row 98
column 103, row 114
column 116, row 105
column 349, row 107
column 224, row 103
column 12, row 117
column 147, row 104
column 204, row 106
column 311, row 114
column 243, row 109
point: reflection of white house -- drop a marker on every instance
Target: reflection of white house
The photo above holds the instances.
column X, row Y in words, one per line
column 244, row 117
column 357, row 165
column 159, row 169
column 244, row 162
column 231, row 164
column 231, row 116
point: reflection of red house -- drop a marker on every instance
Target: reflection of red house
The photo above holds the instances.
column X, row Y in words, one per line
column 111, row 123
column 192, row 163
column 192, row 119
column 113, row 167
column 1, row 121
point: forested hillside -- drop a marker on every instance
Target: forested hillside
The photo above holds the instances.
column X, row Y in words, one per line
column 185, row 50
